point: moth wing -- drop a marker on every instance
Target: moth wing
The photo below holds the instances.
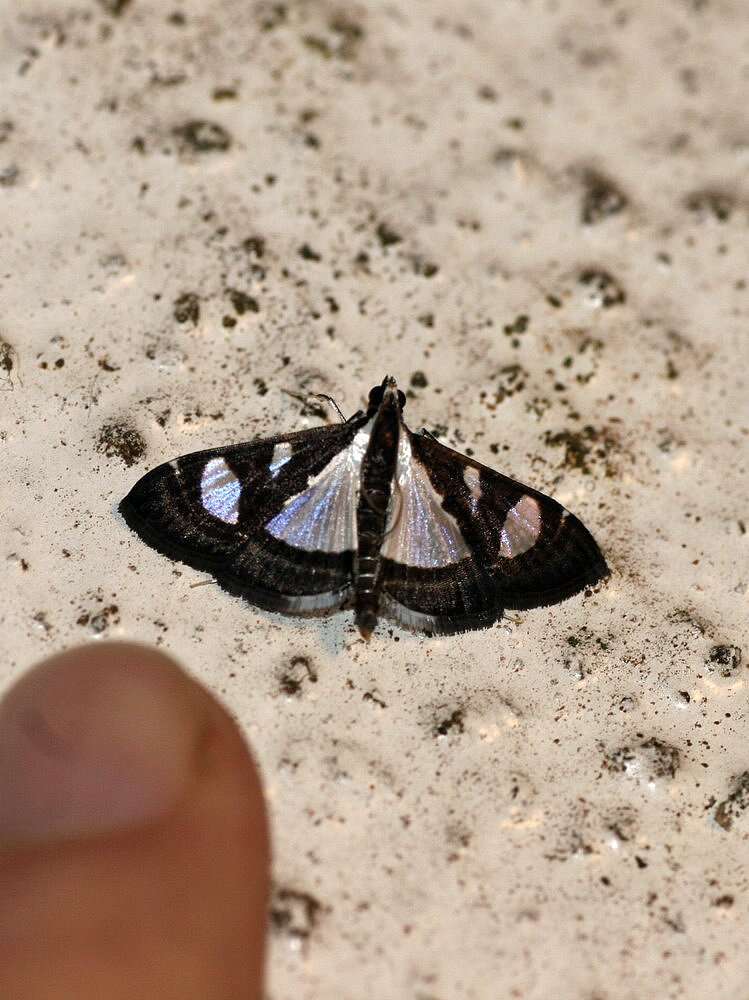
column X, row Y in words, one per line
column 465, row 542
column 274, row 520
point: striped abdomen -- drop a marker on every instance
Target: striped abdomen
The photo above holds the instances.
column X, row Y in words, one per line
column 377, row 472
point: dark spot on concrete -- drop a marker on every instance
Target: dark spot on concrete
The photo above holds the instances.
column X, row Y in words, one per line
column 224, row 94
column 724, row 902
column 419, row 380
column 307, row 253
column 350, row 35
column 601, row 198
column 229, row 322
column 735, row 804
column 294, row 913
column 711, row 203
column 663, row 759
column 459, row 836
column 427, row 320
column 509, row 157
column 426, row 268
column 343, row 42
column 622, row 821
column 243, row 302
column 100, row 620
column 573, row 844
column 511, row 381
column 453, row 723
column 198, row 413
column 187, row 308
column 261, row 386
column 290, row 686
column 387, row 236
column 7, row 357
column 254, row 246
column 203, row 136
column 371, row 696
column 6, row 128
column 299, row 671
column 319, row 45
column 517, row 326
column 487, row 93
column 118, row 439
column 116, row 8
column 9, row 176
column 686, row 616
column 724, row 660
column 617, row 761
column 40, row 619
column 603, row 288
column 653, row 757
column 674, row 921
column 272, row 15
column 584, row 448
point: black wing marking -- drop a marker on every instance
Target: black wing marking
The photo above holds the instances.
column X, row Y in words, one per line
column 230, row 512
column 484, row 543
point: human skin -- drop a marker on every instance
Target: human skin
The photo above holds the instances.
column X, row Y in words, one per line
column 134, row 856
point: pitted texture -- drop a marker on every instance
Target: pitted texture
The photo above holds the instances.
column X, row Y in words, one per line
column 533, row 214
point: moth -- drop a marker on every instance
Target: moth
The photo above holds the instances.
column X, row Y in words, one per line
column 365, row 514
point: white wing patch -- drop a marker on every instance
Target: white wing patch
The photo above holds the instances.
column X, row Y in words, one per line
column 521, row 528
column 220, row 491
column 281, row 455
column 472, row 479
column 322, row 518
column 419, row 531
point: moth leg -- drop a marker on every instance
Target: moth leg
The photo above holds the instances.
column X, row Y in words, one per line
column 329, row 399
column 317, row 411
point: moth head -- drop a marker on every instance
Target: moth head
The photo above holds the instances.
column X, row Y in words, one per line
column 388, row 387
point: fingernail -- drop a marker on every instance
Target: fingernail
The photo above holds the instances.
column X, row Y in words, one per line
column 93, row 741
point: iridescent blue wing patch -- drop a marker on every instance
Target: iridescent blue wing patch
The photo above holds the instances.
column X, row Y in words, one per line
column 273, row 520
column 495, row 544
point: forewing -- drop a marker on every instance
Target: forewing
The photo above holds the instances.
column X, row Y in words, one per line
column 465, row 542
column 273, row 520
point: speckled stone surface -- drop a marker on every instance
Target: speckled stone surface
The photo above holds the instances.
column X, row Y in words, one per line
column 534, row 214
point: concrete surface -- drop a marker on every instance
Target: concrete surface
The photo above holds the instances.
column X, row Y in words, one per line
column 534, row 212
